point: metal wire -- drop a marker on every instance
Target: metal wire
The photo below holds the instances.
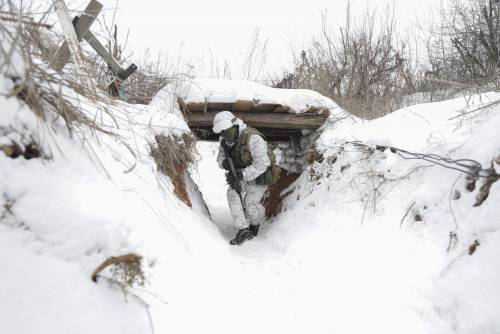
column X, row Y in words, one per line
column 466, row 166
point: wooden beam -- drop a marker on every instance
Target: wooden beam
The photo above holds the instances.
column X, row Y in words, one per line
column 272, row 135
column 263, row 120
column 72, row 42
column 101, row 51
column 245, row 106
column 62, row 55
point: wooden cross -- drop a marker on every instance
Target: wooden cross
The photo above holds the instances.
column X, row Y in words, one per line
column 81, row 26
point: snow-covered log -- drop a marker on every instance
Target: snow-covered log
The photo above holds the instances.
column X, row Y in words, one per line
column 280, row 114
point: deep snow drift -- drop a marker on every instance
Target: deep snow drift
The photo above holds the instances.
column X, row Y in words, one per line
column 335, row 261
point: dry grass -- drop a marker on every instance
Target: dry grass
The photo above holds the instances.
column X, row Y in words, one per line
column 173, row 155
column 46, row 92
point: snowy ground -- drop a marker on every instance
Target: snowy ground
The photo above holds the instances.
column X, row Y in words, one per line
column 314, row 269
column 335, row 262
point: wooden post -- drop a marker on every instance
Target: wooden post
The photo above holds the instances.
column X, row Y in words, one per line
column 90, row 13
column 72, row 41
column 101, row 51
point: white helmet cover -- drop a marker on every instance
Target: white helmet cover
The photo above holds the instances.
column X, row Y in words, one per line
column 223, row 121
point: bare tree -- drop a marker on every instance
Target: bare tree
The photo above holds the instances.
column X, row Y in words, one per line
column 255, row 57
column 465, row 47
column 364, row 67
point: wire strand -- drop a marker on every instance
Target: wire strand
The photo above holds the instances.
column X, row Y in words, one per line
column 467, row 166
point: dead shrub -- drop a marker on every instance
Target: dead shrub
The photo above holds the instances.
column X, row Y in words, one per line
column 173, row 155
column 125, row 270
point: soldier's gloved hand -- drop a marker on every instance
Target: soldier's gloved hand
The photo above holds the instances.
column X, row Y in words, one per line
column 225, row 164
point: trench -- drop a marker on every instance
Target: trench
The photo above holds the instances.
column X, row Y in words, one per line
column 212, row 185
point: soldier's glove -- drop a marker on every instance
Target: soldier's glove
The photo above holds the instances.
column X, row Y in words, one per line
column 225, row 164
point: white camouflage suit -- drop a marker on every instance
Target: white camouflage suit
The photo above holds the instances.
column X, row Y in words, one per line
column 251, row 192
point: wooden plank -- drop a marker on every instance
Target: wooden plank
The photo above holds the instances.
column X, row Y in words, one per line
column 263, row 120
column 72, row 42
column 243, row 106
column 101, row 51
column 62, row 55
column 230, row 106
column 272, row 135
column 280, row 108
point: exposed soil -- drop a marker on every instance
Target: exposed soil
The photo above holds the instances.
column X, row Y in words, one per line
column 14, row 150
column 177, row 176
column 274, row 197
column 173, row 156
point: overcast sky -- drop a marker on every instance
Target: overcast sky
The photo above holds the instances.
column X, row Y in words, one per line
column 221, row 29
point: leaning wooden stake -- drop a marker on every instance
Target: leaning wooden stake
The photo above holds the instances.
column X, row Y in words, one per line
column 72, row 42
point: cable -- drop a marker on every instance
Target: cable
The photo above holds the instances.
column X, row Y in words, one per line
column 466, row 166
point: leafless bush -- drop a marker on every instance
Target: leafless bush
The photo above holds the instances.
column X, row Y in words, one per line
column 365, row 67
column 154, row 73
column 255, row 57
column 219, row 69
column 464, row 46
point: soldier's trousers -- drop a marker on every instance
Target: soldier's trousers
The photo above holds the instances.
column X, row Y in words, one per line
column 252, row 197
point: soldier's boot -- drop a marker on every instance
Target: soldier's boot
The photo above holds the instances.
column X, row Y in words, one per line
column 254, row 229
column 243, row 235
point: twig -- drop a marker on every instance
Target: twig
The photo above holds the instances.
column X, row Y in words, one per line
column 488, row 105
column 449, row 202
column 148, row 312
column 364, row 209
column 24, row 21
column 453, row 240
column 139, row 299
column 452, row 83
column 452, row 262
column 406, row 214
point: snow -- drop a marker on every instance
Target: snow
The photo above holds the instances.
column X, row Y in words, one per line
column 335, row 261
column 13, row 66
column 61, row 216
column 61, row 226
column 199, row 90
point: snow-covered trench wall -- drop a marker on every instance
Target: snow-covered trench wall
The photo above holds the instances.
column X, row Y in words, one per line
column 79, row 187
column 413, row 245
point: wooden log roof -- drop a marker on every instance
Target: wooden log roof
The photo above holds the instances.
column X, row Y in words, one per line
column 275, row 121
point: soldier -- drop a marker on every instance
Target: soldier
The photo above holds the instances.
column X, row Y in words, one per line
column 255, row 169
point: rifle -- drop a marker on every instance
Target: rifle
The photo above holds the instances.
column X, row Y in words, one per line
column 236, row 183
